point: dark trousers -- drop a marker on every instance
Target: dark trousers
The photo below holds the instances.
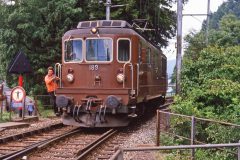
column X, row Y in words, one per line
column 53, row 101
column 20, row 112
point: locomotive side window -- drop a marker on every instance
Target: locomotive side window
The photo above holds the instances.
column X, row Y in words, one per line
column 73, row 50
column 140, row 53
column 124, row 50
column 164, row 67
column 149, row 60
column 99, row 50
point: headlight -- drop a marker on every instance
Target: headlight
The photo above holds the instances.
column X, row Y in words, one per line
column 120, row 78
column 94, row 30
column 70, row 77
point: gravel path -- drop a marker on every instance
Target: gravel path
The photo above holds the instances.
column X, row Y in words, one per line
column 145, row 136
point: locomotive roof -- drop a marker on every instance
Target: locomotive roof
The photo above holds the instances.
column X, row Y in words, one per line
column 104, row 24
column 107, row 27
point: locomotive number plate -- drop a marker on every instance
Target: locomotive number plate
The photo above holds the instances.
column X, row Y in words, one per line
column 93, row 67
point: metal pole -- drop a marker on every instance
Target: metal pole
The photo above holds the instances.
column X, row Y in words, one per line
column 193, row 137
column 118, row 155
column 158, row 128
column 207, row 25
column 1, row 99
column 238, row 151
column 10, row 108
column 108, row 6
column 23, row 112
column 167, row 121
column 1, row 105
column 179, row 46
column 200, row 146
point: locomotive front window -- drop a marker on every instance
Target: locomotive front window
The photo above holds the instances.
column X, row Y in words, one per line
column 73, row 50
column 98, row 50
column 123, row 50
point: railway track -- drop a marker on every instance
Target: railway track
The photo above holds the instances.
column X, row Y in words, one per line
column 17, row 136
column 76, row 147
column 81, row 145
column 13, row 149
column 107, row 149
column 65, row 143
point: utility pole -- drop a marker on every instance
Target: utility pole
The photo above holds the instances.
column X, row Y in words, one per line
column 207, row 25
column 108, row 7
column 179, row 46
column 179, row 39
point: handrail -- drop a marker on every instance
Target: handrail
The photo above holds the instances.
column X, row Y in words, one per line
column 58, row 72
column 182, row 147
column 124, row 67
column 137, row 79
column 201, row 119
column 193, row 127
column 119, row 153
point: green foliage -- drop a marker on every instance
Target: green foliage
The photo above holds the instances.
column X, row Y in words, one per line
column 213, row 154
column 196, row 42
column 228, row 33
column 35, row 28
column 229, row 7
column 211, row 84
column 5, row 117
column 167, row 140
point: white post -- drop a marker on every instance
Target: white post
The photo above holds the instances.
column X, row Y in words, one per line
column 179, row 46
column 108, row 6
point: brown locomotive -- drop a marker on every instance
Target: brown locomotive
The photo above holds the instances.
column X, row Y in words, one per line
column 108, row 72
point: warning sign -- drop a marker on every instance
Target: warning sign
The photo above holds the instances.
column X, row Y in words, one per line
column 18, row 94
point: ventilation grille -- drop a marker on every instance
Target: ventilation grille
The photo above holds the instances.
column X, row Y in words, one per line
column 104, row 23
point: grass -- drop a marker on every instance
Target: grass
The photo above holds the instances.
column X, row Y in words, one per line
column 4, row 117
column 47, row 113
column 44, row 111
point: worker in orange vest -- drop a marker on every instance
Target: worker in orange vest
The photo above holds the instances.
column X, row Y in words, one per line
column 50, row 81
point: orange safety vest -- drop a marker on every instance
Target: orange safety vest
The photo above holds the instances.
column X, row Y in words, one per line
column 50, row 83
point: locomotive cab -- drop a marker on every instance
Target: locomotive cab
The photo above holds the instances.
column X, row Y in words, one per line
column 101, row 74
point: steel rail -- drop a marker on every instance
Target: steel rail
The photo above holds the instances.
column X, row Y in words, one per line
column 83, row 152
column 199, row 146
column 38, row 145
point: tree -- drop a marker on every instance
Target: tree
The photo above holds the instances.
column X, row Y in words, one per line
column 229, row 7
column 36, row 28
column 228, row 33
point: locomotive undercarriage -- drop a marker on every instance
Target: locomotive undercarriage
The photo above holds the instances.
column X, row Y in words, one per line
column 93, row 120
column 94, row 112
